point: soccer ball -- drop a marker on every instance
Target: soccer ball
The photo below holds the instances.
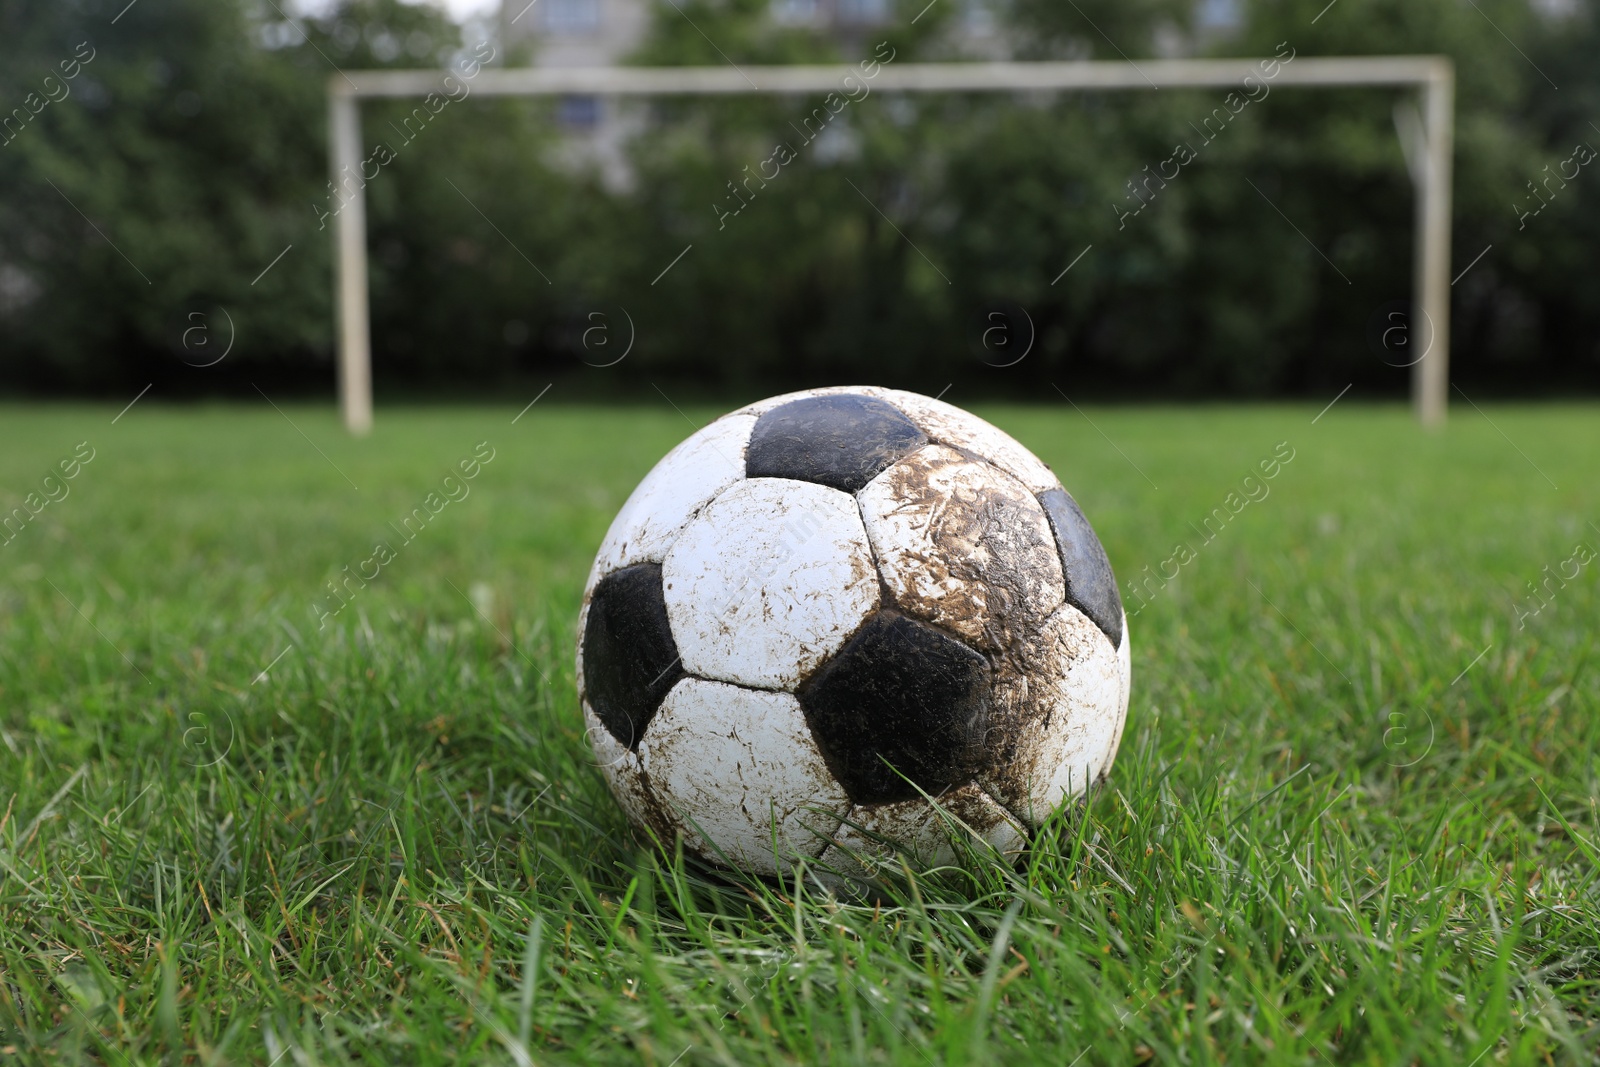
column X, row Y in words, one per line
column 825, row 609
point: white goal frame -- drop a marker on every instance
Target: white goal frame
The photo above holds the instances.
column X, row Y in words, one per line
column 1429, row 154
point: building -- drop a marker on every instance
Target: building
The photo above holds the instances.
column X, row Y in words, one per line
column 582, row 33
column 600, row 33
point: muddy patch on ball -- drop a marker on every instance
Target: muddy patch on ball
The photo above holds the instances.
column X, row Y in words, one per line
column 873, row 838
column 1057, row 714
column 964, row 546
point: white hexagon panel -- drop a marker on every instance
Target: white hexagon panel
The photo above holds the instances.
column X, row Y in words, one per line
column 672, row 493
column 767, row 581
column 737, row 774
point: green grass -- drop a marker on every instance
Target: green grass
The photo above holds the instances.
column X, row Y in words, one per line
column 1352, row 821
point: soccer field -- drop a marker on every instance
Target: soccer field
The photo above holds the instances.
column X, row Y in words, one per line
column 292, row 771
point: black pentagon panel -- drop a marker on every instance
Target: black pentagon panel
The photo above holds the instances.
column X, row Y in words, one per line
column 1091, row 587
column 630, row 661
column 842, row 441
column 901, row 698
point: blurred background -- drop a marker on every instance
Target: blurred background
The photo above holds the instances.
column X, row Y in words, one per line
column 146, row 196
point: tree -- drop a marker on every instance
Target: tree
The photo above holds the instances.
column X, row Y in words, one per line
column 170, row 198
column 174, row 169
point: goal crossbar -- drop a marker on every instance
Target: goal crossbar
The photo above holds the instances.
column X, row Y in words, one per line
column 1431, row 158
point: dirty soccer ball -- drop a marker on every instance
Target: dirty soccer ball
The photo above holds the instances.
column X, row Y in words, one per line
column 825, row 608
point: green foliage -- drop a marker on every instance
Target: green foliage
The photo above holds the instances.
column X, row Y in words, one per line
column 193, row 146
column 176, row 170
column 1351, row 820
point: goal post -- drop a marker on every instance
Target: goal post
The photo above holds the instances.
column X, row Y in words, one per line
column 1430, row 160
